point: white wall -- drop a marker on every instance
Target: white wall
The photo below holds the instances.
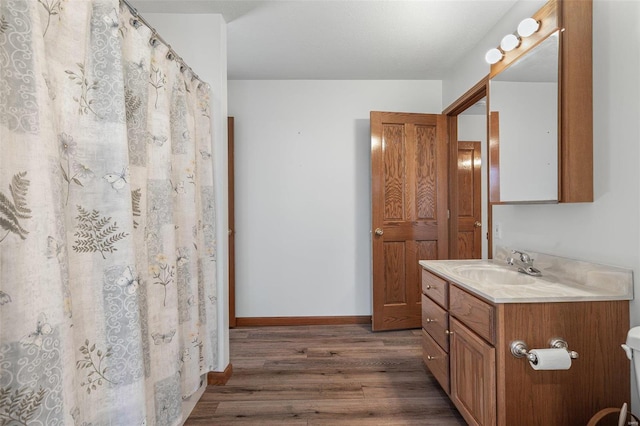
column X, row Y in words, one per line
column 201, row 40
column 606, row 230
column 303, row 206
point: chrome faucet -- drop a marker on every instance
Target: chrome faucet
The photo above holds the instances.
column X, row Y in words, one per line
column 524, row 263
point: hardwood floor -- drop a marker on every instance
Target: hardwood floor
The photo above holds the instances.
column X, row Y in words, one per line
column 325, row 375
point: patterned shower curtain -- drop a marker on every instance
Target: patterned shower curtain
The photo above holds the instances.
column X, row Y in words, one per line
column 107, row 232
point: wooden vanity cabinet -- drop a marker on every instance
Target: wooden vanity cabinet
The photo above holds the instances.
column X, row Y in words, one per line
column 489, row 386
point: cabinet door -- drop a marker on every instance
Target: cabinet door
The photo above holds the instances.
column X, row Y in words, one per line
column 473, row 375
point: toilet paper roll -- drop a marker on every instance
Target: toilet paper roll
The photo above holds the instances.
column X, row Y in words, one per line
column 551, row 359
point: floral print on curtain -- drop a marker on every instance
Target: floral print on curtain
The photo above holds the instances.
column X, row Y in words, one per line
column 107, row 220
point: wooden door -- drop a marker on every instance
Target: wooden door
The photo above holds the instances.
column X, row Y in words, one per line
column 469, row 201
column 232, row 224
column 409, row 211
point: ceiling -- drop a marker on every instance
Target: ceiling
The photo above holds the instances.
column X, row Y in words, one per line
column 344, row 40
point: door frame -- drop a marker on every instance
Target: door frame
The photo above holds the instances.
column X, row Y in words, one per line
column 469, row 98
column 232, row 224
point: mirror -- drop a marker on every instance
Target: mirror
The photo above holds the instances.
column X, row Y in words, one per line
column 471, row 212
column 524, row 114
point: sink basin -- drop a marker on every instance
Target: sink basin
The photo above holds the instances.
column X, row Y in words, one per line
column 493, row 274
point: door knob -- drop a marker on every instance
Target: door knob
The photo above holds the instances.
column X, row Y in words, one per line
column 477, row 224
column 379, row 231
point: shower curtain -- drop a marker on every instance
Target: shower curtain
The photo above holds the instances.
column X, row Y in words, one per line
column 107, row 220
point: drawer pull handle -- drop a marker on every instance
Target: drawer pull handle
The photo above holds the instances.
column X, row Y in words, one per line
column 429, row 287
column 431, row 358
column 448, row 332
column 429, row 320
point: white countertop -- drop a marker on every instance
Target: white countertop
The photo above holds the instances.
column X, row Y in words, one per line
column 562, row 280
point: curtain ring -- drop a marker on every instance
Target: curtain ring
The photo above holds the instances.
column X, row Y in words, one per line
column 170, row 55
column 183, row 67
column 135, row 23
column 154, row 39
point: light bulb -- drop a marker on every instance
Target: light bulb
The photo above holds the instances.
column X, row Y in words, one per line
column 509, row 42
column 493, row 56
column 527, row 27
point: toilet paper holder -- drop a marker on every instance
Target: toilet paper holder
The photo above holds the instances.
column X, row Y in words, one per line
column 519, row 349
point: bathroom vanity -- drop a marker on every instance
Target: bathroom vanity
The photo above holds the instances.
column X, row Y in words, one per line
column 472, row 310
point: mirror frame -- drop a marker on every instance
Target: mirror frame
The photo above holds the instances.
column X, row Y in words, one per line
column 549, row 19
column 468, row 99
column 575, row 98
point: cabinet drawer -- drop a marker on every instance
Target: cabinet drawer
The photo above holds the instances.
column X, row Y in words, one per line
column 435, row 321
column 476, row 314
column 436, row 360
column 435, row 288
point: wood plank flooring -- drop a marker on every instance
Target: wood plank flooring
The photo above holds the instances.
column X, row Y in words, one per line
column 325, row 375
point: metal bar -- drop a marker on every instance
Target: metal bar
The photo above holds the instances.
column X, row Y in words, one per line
column 156, row 36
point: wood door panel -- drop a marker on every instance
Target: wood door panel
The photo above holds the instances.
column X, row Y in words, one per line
column 466, row 245
column 394, row 172
column 394, row 273
column 409, row 205
column 403, row 276
column 407, row 160
column 465, row 181
column 425, row 162
column 469, row 201
column 403, row 231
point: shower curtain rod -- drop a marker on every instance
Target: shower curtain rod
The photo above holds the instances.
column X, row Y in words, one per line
column 155, row 36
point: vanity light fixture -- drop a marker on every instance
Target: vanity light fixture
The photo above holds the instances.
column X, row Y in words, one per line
column 509, row 42
column 494, row 56
column 526, row 28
